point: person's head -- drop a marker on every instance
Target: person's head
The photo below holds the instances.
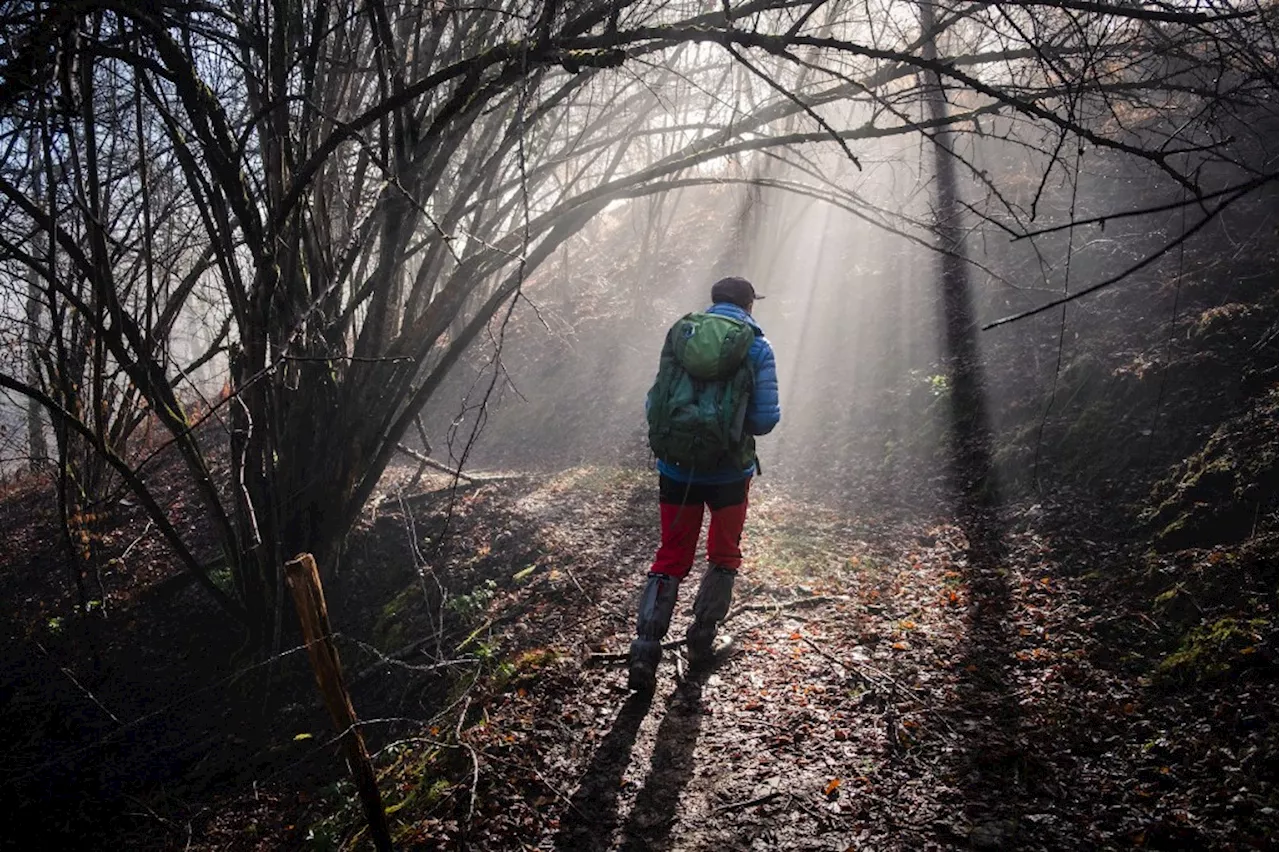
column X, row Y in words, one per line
column 737, row 291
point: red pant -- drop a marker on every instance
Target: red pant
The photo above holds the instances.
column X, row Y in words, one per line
column 681, row 505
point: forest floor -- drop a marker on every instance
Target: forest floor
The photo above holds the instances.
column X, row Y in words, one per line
column 1020, row 680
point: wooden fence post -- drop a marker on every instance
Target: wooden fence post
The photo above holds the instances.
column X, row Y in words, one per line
column 308, row 595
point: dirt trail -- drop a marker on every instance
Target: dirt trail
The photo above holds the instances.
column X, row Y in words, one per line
column 896, row 682
column 883, row 692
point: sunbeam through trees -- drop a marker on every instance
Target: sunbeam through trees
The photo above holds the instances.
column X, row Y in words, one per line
column 282, row 223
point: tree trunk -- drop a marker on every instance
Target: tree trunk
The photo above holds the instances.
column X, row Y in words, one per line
column 972, row 474
column 37, row 441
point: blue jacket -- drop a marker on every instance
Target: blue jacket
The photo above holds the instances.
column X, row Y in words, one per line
column 763, row 412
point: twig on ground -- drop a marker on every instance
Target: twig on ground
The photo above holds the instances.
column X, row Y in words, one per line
column 861, row 669
column 822, row 816
column 145, row 530
column 530, row 766
column 118, row 561
column 847, row 666
column 758, row 800
column 151, row 812
column 475, row 766
column 606, row 657
column 576, row 584
column 779, row 606
column 79, row 685
column 857, row 668
column 478, row 481
column 432, row 463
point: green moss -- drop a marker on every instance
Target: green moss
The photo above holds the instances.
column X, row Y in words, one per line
column 422, row 796
column 389, row 631
column 1175, row 530
column 1216, row 494
column 524, row 668
column 1212, row 652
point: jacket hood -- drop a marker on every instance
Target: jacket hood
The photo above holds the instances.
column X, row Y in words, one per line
column 729, row 309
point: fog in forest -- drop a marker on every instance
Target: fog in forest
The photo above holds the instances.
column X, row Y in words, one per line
column 852, row 309
column 613, row 202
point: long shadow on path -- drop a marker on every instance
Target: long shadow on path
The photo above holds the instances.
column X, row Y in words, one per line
column 592, row 817
column 654, row 815
column 990, row 770
column 992, row 774
column 591, row 821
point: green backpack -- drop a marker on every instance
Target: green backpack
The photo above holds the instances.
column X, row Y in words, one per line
column 697, row 406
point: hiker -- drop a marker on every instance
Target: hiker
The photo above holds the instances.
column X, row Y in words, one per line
column 716, row 389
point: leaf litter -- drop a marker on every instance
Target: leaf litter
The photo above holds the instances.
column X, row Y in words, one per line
column 887, row 687
column 919, row 702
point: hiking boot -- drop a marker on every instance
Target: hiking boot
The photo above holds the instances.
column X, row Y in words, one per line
column 715, row 593
column 642, row 676
column 657, row 603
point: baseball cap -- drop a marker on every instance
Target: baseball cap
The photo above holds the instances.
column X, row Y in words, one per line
column 736, row 290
